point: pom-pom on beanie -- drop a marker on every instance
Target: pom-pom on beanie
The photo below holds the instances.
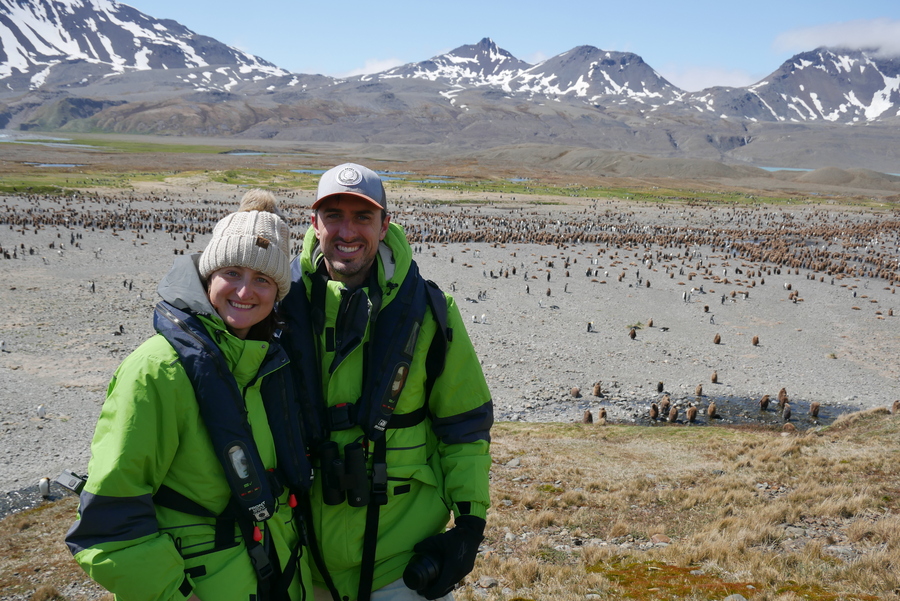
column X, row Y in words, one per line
column 256, row 236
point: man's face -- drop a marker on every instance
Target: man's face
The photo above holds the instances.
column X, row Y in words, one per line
column 349, row 229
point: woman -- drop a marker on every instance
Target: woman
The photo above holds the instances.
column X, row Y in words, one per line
column 185, row 498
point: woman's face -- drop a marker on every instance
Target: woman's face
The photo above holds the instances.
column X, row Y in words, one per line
column 242, row 297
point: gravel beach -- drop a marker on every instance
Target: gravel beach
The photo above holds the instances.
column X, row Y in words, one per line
column 550, row 294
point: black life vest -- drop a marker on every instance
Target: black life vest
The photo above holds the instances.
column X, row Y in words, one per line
column 389, row 354
column 254, row 490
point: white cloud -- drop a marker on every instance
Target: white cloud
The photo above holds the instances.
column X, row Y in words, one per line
column 535, row 58
column 882, row 34
column 373, row 65
column 699, row 77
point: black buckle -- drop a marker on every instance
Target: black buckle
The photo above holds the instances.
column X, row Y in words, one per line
column 341, row 417
column 260, row 562
column 379, row 484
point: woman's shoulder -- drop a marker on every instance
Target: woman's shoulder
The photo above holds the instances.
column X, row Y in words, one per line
column 154, row 355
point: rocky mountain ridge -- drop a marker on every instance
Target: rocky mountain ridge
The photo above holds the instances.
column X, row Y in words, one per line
column 97, row 65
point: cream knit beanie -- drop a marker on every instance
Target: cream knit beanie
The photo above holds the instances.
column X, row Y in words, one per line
column 255, row 237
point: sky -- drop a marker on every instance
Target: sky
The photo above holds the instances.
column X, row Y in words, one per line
column 694, row 44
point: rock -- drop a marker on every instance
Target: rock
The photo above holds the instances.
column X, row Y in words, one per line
column 487, row 582
column 660, row 538
column 514, row 462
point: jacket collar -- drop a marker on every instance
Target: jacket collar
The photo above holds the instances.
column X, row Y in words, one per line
column 182, row 287
column 392, row 261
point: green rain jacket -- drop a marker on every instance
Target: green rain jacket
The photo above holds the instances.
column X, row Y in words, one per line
column 442, row 464
column 149, row 434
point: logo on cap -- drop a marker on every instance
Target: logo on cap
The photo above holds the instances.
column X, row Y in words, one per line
column 349, row 176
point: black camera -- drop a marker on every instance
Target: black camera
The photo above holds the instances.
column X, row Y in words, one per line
column 344, row 478
column 420, row 572
column 72, row 481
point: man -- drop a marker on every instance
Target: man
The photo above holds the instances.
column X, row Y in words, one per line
column 394, row 396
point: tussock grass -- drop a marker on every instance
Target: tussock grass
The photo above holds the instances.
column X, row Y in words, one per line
column 810, row 515
column 626, row 512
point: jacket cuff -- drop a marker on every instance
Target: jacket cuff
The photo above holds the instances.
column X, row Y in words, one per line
column 470, row 508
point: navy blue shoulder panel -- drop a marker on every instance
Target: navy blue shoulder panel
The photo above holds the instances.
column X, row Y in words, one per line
column 299, row 339
column 391, row 352
column 224, row 414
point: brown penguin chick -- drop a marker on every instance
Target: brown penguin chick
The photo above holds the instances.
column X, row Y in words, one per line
column 714, row 378
column 575, row 392
column 782, row 397
column 711, row 410
column 654, row 411
column 814, row 409
column 895, row 408
column 659, row 387
column 691, row 414
column 699, row 390
column 632, row 334
column 756, row 341
column 673, row 414
column 717, row 339
column 650, row 323
column 601, row 414
column 664, row 405
column 588, row 417
column 786, row 412
column 764, row 403
column 596, row 390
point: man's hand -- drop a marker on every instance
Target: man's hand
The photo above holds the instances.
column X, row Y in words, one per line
column 455, row 552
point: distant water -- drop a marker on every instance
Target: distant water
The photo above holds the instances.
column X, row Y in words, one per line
column 806, row 170
column 385, row 175
column 783, row 169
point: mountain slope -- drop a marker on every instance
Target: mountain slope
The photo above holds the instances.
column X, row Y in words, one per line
column 88, row 65
column 481, row 64
column 839, row 86
column 104, row 37
column 595, row 75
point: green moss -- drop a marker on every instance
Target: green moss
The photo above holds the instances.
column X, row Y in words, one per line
column 651, row 580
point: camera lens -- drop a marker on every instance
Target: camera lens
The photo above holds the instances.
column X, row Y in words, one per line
column 421, row 571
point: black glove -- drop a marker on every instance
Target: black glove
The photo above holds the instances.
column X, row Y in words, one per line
column 453, row 552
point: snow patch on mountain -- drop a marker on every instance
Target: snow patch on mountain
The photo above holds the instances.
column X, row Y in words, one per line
column 38, row 35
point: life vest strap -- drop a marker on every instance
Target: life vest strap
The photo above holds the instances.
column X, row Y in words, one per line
column 342, row 416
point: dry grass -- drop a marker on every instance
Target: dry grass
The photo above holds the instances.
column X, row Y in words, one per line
column 773, row 517
column 811, row 515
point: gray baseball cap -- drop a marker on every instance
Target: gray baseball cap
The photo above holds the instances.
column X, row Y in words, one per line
column 354, row 179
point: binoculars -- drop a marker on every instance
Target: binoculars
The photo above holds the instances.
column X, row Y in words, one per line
column 420, row 572
column 344, row 478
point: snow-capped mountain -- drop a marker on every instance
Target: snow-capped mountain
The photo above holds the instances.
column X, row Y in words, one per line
column 825, row 85
column 101, row 65
column 46, row 41
column 595, row 75
column 481, row 64
column 584, row 72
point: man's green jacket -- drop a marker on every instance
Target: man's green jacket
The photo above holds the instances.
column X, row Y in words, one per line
column 439, row 465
